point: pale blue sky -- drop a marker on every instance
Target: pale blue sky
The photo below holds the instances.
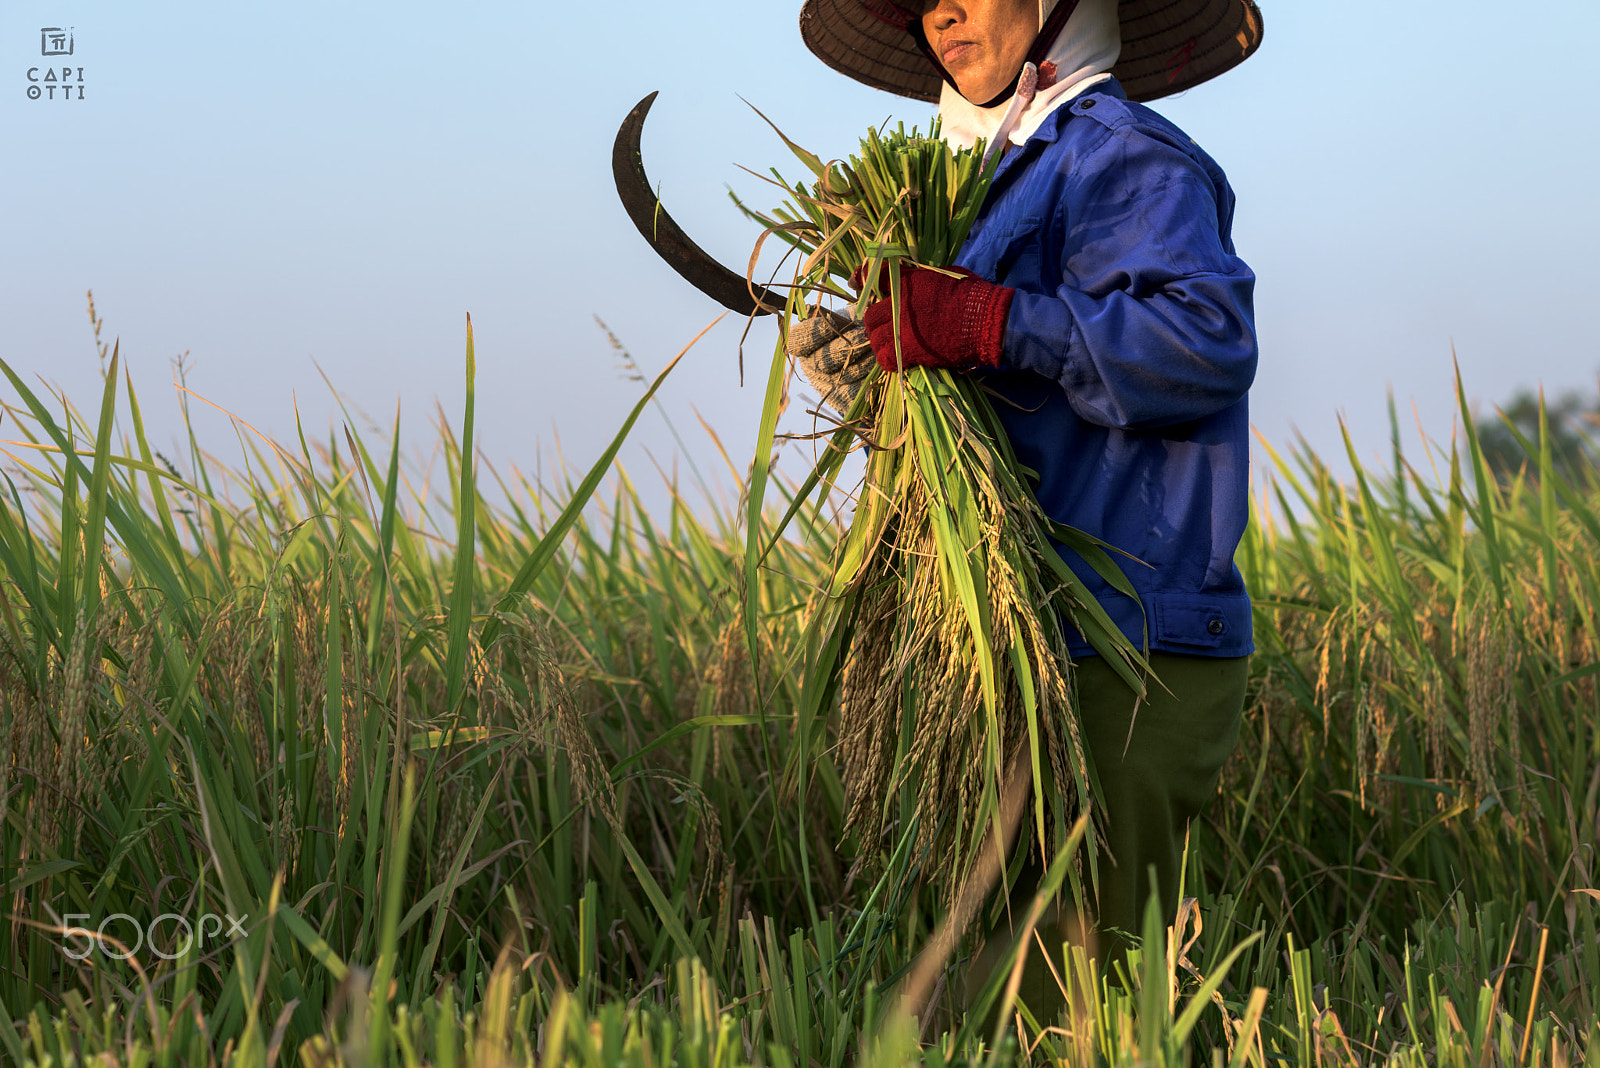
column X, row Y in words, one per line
column 273, row 187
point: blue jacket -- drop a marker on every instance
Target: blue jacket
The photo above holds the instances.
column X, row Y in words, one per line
column 1129, row 349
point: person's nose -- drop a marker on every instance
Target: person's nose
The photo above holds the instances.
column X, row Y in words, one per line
column 942, row 14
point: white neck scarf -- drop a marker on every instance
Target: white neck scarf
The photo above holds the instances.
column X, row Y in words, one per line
column 1081, row 56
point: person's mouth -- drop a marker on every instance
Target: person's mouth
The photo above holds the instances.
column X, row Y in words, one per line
column 954, row 52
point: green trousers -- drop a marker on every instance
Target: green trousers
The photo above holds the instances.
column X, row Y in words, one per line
column 1154, row 780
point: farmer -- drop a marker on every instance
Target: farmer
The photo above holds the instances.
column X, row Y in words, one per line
column 1107, row 313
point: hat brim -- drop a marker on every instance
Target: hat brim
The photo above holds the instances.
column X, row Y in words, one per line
column 1167, row 45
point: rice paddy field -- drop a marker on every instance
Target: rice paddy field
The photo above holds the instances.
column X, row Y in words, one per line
column 304, row 761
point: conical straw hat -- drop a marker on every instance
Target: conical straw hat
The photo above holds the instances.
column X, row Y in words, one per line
column 1167, row 45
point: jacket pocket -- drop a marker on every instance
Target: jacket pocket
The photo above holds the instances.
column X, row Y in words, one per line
column 1020, row 255
column 1001, row 251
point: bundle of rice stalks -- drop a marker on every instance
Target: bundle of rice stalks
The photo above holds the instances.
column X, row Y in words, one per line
column 943, row 623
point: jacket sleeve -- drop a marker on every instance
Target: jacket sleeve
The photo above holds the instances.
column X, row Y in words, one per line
column 1153, row 323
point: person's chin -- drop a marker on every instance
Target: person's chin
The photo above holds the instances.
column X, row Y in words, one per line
column 974, row 95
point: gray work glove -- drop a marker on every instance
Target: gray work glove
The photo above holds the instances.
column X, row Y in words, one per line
column 834, row 353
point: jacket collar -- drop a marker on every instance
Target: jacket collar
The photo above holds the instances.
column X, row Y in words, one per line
column 1050, row 130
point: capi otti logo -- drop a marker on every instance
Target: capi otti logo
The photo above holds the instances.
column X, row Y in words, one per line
column 52, row 82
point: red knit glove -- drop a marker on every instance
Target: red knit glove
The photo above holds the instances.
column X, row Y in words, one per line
column 958, row 323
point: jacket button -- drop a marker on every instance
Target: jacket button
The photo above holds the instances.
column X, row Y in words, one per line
column 1086, row 105
column 1216, row 626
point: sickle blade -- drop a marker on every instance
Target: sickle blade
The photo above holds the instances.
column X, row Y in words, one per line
column 726, row 287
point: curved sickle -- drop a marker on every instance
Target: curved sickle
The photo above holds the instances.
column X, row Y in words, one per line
column 726, row 287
